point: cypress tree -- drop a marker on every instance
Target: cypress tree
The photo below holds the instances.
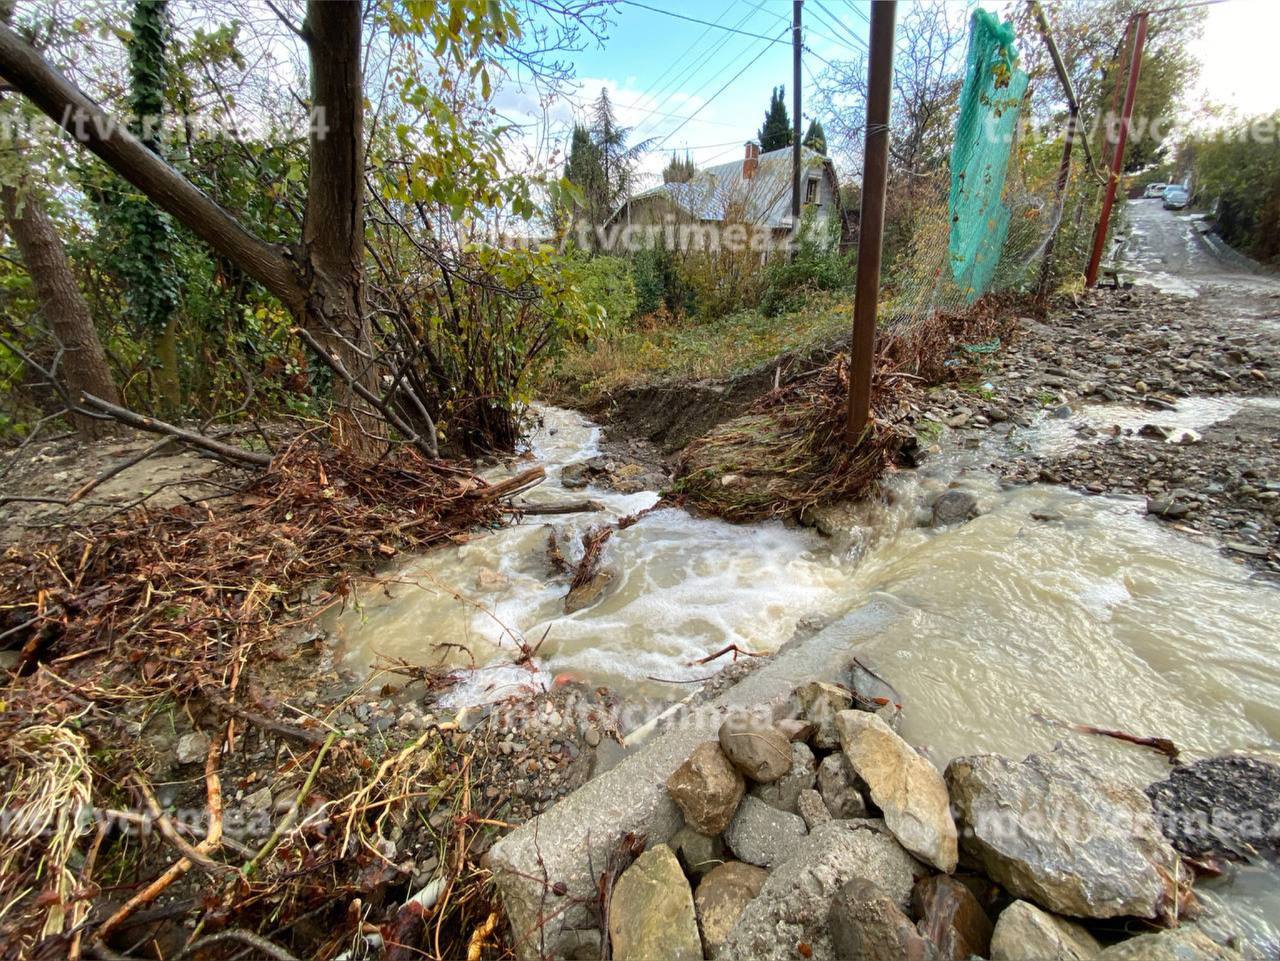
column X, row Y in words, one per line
column 776, row 131
column 815, row 137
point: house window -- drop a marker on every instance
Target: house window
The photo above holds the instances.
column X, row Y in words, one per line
column 811, row 191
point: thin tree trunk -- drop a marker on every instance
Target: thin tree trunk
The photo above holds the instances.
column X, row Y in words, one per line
column 333, row 226
column 84, row 362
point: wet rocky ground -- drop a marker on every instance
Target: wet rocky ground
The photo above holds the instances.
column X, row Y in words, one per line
column 1160, row 354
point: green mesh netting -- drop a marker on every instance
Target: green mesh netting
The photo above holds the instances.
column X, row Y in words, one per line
column 990, row 103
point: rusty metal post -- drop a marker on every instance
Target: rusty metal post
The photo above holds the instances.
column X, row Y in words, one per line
column 875, row 167
column 795, row 123
column 1117, row 162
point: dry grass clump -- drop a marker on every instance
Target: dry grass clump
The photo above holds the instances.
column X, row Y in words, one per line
column 788, row 451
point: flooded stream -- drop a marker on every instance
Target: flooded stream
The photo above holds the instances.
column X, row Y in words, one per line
column 1050, row 605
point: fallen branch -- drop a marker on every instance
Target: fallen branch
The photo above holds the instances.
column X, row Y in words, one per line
column 281, row 728
column 213, row 838
column 120, row 468
column 1162, row 744
column 728, row 648
column 227, row 452
column 572, row 507
column 288, row 820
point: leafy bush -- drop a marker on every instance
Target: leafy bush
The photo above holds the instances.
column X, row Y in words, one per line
column 608, row 283
column 658, row 282
column 1241, row 172
column 818, row 265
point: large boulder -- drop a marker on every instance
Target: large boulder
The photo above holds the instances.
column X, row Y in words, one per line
column 1224, row 806
column 651, row 911
column 1025, row 933
column 866, row 925
column 756, row 747
column 762, row 835
column 721, row 897
column 792, row 907
column 1056, row 830
column 819, row 703
column 840, row 788
column 783, row 793
column 951, row 918
column 1179, row 944
column 906, row 787
column 707, row 789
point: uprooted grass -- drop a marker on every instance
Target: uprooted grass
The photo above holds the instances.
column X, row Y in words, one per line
column 788, row 451
column 174, row 604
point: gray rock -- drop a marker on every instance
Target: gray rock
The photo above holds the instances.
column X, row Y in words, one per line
column 906, row 787
column 1025, row 933
column 954, row 507
column 811, row 807
column 840, row 788
column 819, row 703
column 793, row 905
column 866, row 925
column 756, row 748
column 707, row 789
column 763, row 835
column 1056, row 830
column 1222, row 806
column 1179, row 944
column 698, row 853
column 721, row 897
column 192, row 748
column 783, row 792
column 651, row 911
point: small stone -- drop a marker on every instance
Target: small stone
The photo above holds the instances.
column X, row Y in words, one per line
column 756, row 748
column 763, row 835
column 721, row 898
column 783, row 792
column 651, row 911
column 1180, row 944
column 954, row 507
column 840, row 788
column 592, row 737
column 812, row 808
column 192, row 748
column 707, row 789
column 951, row 917
column 866, row 925
column 698, row 853
column 820, row 703
column 1023, row 932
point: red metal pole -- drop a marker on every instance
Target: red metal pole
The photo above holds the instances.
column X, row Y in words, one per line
column 875, row 166
column 1117, row 162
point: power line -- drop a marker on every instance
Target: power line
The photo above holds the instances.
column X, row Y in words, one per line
column 750, row 63
column 705, row 23
column 839, row 25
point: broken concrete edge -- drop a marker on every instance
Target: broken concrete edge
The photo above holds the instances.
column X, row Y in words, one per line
column 567, row 848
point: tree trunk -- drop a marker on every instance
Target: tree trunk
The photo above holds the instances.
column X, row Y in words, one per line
column 333, row 226
column 84, row 362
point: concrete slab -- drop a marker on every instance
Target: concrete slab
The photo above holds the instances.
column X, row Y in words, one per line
column 567, row 847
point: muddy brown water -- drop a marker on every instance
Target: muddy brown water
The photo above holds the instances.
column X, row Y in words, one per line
column 1092, row 614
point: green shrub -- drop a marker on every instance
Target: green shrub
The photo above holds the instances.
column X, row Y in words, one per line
column 818, row 265
column 607, row 282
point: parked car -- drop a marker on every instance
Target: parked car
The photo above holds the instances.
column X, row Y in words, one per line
column 1175, row 197
column 1154, row 190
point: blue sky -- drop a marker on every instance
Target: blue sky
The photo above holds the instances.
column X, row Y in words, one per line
column 665, row 75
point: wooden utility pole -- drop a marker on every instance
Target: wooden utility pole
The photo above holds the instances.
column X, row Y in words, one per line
column 875, row 166
column 1117, row 160
column 795, row 122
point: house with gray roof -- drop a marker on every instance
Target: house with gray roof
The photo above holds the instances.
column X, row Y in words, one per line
column 754, row 191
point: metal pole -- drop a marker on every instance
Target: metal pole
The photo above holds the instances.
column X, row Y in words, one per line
column 875, row 165
column 795, row 122
column 1117, row 163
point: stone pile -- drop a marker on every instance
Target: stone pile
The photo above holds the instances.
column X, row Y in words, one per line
column 826, row 835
